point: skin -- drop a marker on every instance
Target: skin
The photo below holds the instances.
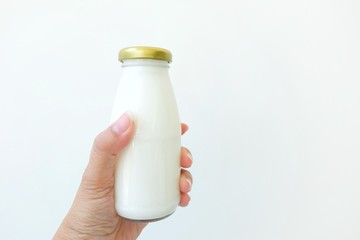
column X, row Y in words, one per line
column 93, row 214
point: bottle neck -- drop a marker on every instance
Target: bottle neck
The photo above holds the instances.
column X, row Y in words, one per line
column 145, row 62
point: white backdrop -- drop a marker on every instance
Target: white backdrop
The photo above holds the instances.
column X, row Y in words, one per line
column 270, row 89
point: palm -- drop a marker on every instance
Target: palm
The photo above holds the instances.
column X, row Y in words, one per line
column 107, row 224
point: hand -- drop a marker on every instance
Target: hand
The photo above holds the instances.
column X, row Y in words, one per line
column 93, row 214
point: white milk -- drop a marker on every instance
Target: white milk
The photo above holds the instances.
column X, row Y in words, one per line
column 148, row 171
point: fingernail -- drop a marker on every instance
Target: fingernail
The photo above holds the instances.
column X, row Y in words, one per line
column 188, row 180
column 122, row 124
column 189, row 155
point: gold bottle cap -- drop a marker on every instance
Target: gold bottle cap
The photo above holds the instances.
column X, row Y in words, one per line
column 144, row 52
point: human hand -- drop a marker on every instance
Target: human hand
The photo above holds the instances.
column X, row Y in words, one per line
column 93, row 214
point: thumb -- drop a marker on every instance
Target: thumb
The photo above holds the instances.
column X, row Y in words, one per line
column 107, row 146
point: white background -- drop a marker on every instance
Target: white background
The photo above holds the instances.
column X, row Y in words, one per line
column 270, row 89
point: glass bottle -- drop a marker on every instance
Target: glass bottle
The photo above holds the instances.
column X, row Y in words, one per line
column 148, row 170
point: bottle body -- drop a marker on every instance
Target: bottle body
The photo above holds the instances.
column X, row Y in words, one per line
column 148, row 170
